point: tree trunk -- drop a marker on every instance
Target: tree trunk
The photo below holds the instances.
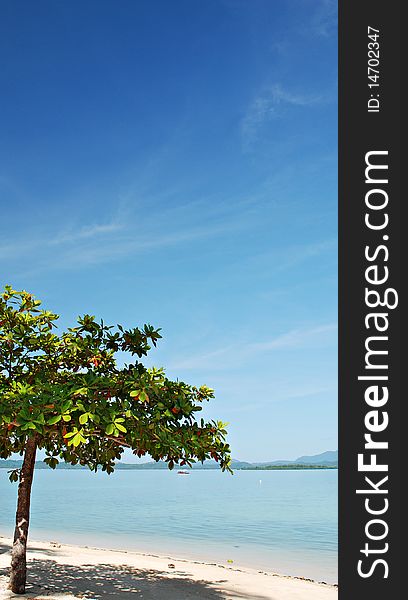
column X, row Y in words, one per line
column 18, row 573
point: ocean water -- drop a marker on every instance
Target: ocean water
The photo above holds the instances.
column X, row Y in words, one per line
column 280, row 521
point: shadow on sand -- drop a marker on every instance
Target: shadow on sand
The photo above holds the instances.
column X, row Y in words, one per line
column 111, row 582
column 47, row 552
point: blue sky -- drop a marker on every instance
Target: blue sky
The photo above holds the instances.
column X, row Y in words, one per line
column 176, row 163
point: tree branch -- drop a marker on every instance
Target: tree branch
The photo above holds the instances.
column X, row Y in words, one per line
column 118, row 440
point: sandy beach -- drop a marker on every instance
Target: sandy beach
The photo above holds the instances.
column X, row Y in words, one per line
column 65, row 572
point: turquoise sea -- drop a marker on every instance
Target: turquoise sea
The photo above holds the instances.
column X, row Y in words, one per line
column 281, row 521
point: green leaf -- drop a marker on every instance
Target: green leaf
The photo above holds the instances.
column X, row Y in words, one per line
column 110, row 429
column 83, row 391
column 66, row 406
column 76, row 439
column 14, row 475
column 54, row 420
column 83, row 418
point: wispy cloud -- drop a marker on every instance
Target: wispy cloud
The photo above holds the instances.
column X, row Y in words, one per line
column 43, row 242
column 294, row 256
column 286, row 259
column 131, row 244
column 234, row 355
column 268, row 105
column 86, row 232
column 324, row 21
column 130, row 233
column 268, row 392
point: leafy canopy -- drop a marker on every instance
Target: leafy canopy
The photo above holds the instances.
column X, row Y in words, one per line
column 67, row 390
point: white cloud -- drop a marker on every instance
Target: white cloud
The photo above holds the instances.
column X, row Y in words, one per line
column 234, row 355
column 324, row 22
column 267, row 105
column 130, row 233
column 86, row 232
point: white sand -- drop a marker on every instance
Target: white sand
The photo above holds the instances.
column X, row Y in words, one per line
column 64, row 572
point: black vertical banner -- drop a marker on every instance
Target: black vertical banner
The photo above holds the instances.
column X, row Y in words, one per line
column 372, row 303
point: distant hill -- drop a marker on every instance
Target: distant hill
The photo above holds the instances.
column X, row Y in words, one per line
column 327, row 459
column 290, row 467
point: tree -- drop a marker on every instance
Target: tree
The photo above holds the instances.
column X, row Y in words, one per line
column 64, row 392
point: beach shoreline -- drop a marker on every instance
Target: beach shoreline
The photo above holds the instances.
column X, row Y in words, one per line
column 64, row 572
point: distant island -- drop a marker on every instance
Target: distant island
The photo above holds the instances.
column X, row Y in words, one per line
column 326, row 460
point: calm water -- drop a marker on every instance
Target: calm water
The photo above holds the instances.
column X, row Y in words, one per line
column 283, row 521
